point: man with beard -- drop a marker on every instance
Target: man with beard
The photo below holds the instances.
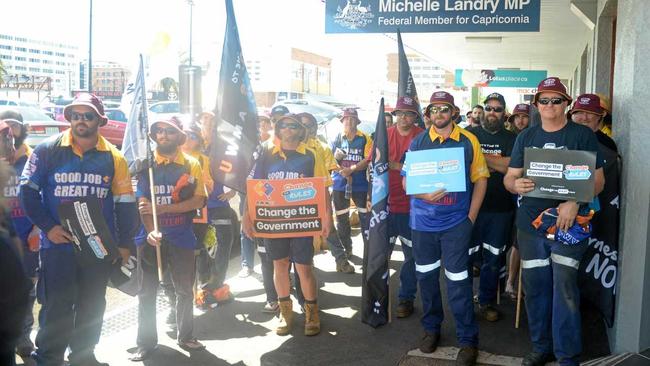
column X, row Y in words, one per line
column 477, row 116
column 494, row 222
column 519, row 119
column 179, row 190
column 442, row 227
column 77, row 163
column 288, row 158
column 550, row 267
column 399, row 139
column 25, row 230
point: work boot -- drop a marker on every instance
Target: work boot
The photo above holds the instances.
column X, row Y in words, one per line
column 286, row 317
column 429, row 342
column 344, row 266
column 222, row 294
column 312, row 320
column 488, row 312
column 204, row 300
column 404, row 308
column 537, row 359
column 467, row 356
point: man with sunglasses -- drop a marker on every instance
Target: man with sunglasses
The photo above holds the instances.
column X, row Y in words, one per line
column 441, row 226
column 288, row 158
column 351, row 149
column 400, row 136
column 493, row 225
column 78, row 163
column 550, row 268
column 325, row 153
column 179, row 190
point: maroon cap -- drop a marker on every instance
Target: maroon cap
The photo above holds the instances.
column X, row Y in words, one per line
column 407, row 103
column 5, row 128
column 552, row 84
column 350, row 112
column 89, row 100
column 442, row 97
column 173, row 122
column 294, row 118
column 588, row 103
column 520, row 109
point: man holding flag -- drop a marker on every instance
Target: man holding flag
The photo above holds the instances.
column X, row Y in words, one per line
column 442, row 226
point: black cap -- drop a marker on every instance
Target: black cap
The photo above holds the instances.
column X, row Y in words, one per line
column 495, row 96
column 280, row 109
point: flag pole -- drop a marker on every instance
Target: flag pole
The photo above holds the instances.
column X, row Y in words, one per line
column 154, row 208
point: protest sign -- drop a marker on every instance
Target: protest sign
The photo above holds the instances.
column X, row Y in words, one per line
column 433, row 169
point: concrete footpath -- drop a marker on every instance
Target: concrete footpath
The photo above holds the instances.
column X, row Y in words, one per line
column 239, row 333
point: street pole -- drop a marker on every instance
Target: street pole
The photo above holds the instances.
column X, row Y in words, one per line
column 90, row 50
column 191, row 3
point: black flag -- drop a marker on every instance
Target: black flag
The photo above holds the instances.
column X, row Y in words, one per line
column 405, row 82
column 376, row 252
column 599, row 266
column 235, row 138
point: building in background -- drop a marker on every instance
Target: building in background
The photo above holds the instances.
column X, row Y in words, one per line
column 108, row 78
column 50, row 67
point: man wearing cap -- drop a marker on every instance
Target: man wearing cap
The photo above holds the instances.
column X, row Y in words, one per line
column 351, row 149
column 74, row 164
column 179, row 190
column 278, row 112
column 399, row 139
column 325, row 153
column 519, row 119
column 441, row 226
column 286, row 158
column 493, row 226
column 17, row 155
column 587, row 111
column 550, row 268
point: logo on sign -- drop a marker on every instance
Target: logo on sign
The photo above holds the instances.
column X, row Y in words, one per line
column 299, row 192
column 577, row 172
column 264, row 189
column 353, row 14
column 448, row 166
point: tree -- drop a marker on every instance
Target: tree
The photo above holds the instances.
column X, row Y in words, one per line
column 3, row 72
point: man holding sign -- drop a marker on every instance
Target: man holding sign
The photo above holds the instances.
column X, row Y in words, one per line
column 550, row 267
column 442, row 226
column 291, row 159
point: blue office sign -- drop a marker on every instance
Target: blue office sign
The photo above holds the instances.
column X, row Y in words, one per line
column 423, row 16
column 499, row 78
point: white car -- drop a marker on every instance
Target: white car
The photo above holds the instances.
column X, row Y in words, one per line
column 40, row 126
column 164, row 110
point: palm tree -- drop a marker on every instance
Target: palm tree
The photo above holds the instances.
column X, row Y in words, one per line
column 3, row 72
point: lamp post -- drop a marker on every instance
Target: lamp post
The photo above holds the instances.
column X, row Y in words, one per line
column 191, row 4
column 90, row 50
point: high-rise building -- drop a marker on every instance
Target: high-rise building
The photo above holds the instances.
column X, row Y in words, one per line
column 25, row 58
column 108, row 78
column 427, row 74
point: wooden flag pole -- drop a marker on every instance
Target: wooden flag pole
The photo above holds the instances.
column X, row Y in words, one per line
column 154, row 208
column 518, row 298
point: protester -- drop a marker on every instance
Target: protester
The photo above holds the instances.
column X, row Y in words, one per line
column 290, row 157
column 493, row 226
column 587, row 110
column 477, row 115
column 399, row 140
column 278, row 112
column 550, row 268
column 351, row 149
column 389, row 119
column 179, row 190
column 14, row 285
column 606, row 105
column 441, row 226
column 469, row 118
column 72, row 295
column 206, row 120
column 519, row 118
column 325, row 153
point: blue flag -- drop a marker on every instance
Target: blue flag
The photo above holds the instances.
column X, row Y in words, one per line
column 235, row 139
column 405, row 82
column 135, row 146
column 376, row 253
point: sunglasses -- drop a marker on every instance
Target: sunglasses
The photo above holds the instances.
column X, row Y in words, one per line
column 554, row 101
column 407, row 114
column 194, row 136
column 442, row 109
column 166, row 130
column 291, row 126
column 87, row 116
column 493, row 109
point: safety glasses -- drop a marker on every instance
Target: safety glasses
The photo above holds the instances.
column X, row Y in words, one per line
column 493, row 109
column 291, row 126
column 87, row 116
column 405, row 114
column 554, row 101
column 166, row 130
column 441, row 109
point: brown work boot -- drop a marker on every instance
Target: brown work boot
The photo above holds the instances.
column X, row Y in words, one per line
column 286, row 317
column 344, row 266
column 467, row 356
column 312, row 321
column 488, row 312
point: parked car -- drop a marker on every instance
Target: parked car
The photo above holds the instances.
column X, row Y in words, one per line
column 164, row 110
column 39, row 124
column 113, row 131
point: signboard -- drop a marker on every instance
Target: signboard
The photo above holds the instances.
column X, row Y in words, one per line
column 385, row 16
column 286, row 208
column 560, row 174
column 92, row 240
column 430, row 170
column 499, row 78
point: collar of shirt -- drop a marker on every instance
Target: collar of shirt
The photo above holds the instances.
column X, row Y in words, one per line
column 162, row 160
column 277, row 149
column 359, row 133
column 67, row 140
column 455, row 134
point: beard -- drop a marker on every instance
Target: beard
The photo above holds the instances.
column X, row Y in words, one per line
column 442, row 124
column 84, row 130
column 492, row 124
column 167, row 148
